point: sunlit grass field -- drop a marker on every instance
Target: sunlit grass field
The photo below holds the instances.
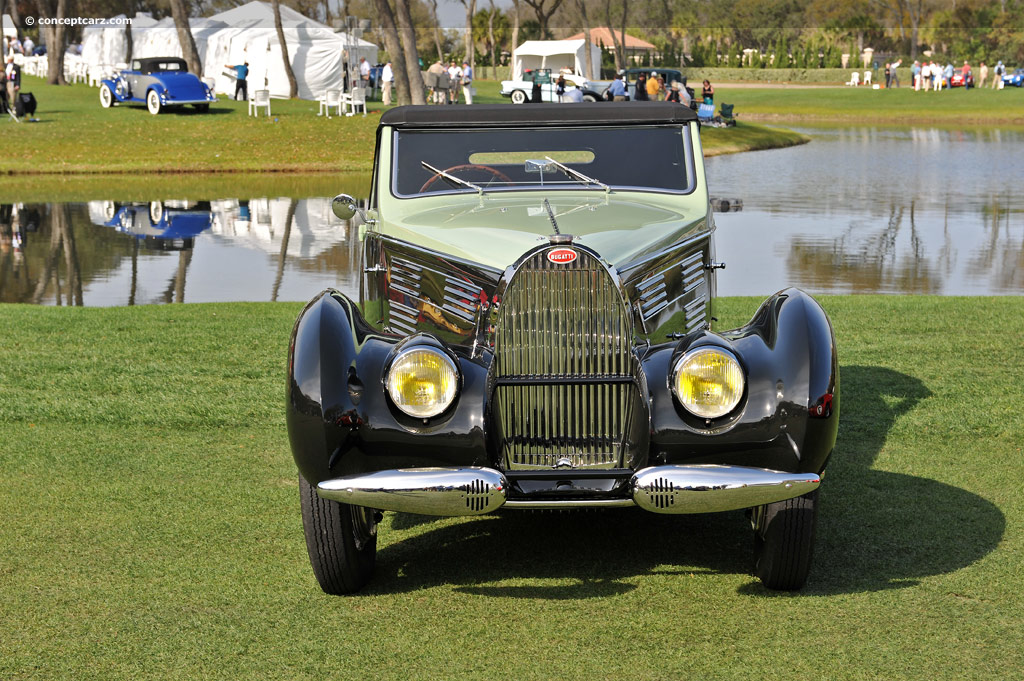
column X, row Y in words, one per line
column 151, row 524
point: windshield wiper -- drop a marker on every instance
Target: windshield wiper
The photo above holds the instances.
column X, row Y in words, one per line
column 575, row 174
column 452, row 178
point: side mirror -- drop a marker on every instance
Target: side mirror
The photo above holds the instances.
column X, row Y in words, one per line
column 344, row 206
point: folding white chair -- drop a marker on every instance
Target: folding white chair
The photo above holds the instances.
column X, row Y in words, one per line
column 357, row 99
column 330, row 100
column 854, row 79
column 260, row 98
column 867, row 78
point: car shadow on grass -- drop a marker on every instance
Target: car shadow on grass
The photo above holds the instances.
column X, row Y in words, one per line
column 877, row 530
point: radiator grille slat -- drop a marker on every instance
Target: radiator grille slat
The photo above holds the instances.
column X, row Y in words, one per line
column 567, row 322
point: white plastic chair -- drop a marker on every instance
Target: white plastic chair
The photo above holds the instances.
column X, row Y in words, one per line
column 356, row 99
column 330, row 100
column 260, row 98
column 867, row 78
column 854, row 79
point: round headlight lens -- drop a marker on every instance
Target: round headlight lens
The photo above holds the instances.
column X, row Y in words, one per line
column 708, row 382
column 422, row 382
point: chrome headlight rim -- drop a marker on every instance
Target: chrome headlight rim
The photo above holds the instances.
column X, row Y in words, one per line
column 721, row 414
column 402, row 353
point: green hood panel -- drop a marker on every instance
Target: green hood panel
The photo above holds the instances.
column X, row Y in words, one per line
column 496, row 230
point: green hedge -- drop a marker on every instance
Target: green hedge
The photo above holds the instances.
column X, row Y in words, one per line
column 832, row 76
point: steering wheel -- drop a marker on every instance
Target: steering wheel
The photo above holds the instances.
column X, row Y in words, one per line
column 495, row 174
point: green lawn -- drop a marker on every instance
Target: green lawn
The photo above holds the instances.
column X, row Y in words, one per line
column 75, row 136
column 860, row 105
column 151, row 526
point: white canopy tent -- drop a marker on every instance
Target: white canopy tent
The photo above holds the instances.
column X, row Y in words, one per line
column 556, row 55
column 241, row 34
column 9, row 29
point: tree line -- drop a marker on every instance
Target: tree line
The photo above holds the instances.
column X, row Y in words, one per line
column 750, row 33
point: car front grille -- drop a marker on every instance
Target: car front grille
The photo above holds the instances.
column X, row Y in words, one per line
column 564, row 373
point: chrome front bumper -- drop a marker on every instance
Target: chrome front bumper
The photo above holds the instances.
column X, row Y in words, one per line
column 659, row 489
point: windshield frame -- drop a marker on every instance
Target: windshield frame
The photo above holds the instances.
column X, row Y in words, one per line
column 689, row 162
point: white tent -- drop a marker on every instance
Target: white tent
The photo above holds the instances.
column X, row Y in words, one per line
column 9, row 29
column 242, row 34
column 556, row 55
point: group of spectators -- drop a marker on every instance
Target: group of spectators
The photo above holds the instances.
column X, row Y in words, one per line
column 444, row 82
column 932, row 76
column 652, row 89
column 12, row 45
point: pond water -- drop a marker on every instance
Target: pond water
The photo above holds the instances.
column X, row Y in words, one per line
column 858, row 210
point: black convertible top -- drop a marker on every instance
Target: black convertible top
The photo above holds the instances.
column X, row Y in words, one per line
column 537, row 115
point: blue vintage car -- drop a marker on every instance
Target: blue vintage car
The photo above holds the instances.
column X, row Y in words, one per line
column 164, row 225
column 157, row 82
column 1016, row 78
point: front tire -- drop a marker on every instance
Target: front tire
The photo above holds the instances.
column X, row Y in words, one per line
column 784, row 541
column 106, row 96
column 590, row 97
column 202, row 108
column 518, row 97
column 153, row 102
column 341, row 540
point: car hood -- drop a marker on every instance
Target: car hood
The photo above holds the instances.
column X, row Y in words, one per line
column 496, row 231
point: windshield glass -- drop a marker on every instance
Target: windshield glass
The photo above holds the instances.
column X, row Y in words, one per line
column 531, row 158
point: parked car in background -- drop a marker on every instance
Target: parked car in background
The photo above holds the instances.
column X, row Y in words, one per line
column 958, row 79
column 157, row 82
column 1016, row 78
column 543, row 83
column 535, row 330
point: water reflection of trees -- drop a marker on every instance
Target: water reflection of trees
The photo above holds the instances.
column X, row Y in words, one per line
column 894, row 257
column 34, row 275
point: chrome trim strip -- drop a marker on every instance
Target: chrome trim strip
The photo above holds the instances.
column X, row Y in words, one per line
column 428, row 491
column 708, row 488
column 528, row 504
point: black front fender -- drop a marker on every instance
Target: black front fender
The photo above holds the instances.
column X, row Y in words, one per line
column 789, row 415
column 340, row 420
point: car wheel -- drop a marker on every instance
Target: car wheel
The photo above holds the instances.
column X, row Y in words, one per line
column 202, row 108
column 341, row 540
column 589, row 98
column 153, row 102
column 518, row 97
column 106, row 96
column 784, row 541
column 156, row 212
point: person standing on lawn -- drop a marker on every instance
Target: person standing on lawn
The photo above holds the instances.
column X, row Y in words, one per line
column 999, row 71
column 13, row 74
column 982, row 74
column 895, row 74
column 467, row 82
column 241, row 74
column 387, row 79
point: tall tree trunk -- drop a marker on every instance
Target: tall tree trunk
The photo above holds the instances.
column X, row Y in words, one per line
column 515, row 29
column 622, row 36
column 417, row 90
column 54, row 35
column 490, row 40
column 437, row 30
column 470, row 57
column 581, row 5
column 129, row 41
column 188, row 44
column 394, row 47
column 616, row 52
column 293, row 87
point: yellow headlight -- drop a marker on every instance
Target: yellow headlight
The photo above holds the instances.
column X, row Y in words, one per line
column 708, row 382
column 422, row 382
